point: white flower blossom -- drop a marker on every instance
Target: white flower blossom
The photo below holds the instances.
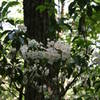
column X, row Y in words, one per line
column 22, row 27
column 23, row 50
column 50, row 44
column 35, row 54
column 52, row 55
column 47, row 72
column 40, row 68
column 59, row 45
column 44, row 86
column 34, row 67
column 32, row 43
column 64, row 48
column 65, row 55
column 96, row 57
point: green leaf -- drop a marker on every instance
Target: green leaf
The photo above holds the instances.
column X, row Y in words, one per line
column 41, row 8
column 11, row 21
column 97, row 1
column 96, row 16
column 6, row 7
column 97, row 85
column 2, row 5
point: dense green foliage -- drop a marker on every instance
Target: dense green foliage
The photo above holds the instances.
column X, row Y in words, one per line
column 77, row 77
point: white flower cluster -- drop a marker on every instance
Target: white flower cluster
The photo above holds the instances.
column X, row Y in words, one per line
column 22, row 27
column 57, row 50
column 24, row 50
column 32, row 43
column 53, row 52
column 96, row 58
column 64, row 48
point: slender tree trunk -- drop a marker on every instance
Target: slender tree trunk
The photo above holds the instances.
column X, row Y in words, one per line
column 37, row 28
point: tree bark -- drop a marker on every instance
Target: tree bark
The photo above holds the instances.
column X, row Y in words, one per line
column 36, row 22
column 37, row 28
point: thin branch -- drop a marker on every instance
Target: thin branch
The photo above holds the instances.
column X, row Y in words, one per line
column 69, row 85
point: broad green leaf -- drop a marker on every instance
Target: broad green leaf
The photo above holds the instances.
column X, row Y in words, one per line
column 98, row 1
column 3, row 4
column 6, row 7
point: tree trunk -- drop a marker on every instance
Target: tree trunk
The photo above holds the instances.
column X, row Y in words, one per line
column 37, row 28
column 36, row 22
